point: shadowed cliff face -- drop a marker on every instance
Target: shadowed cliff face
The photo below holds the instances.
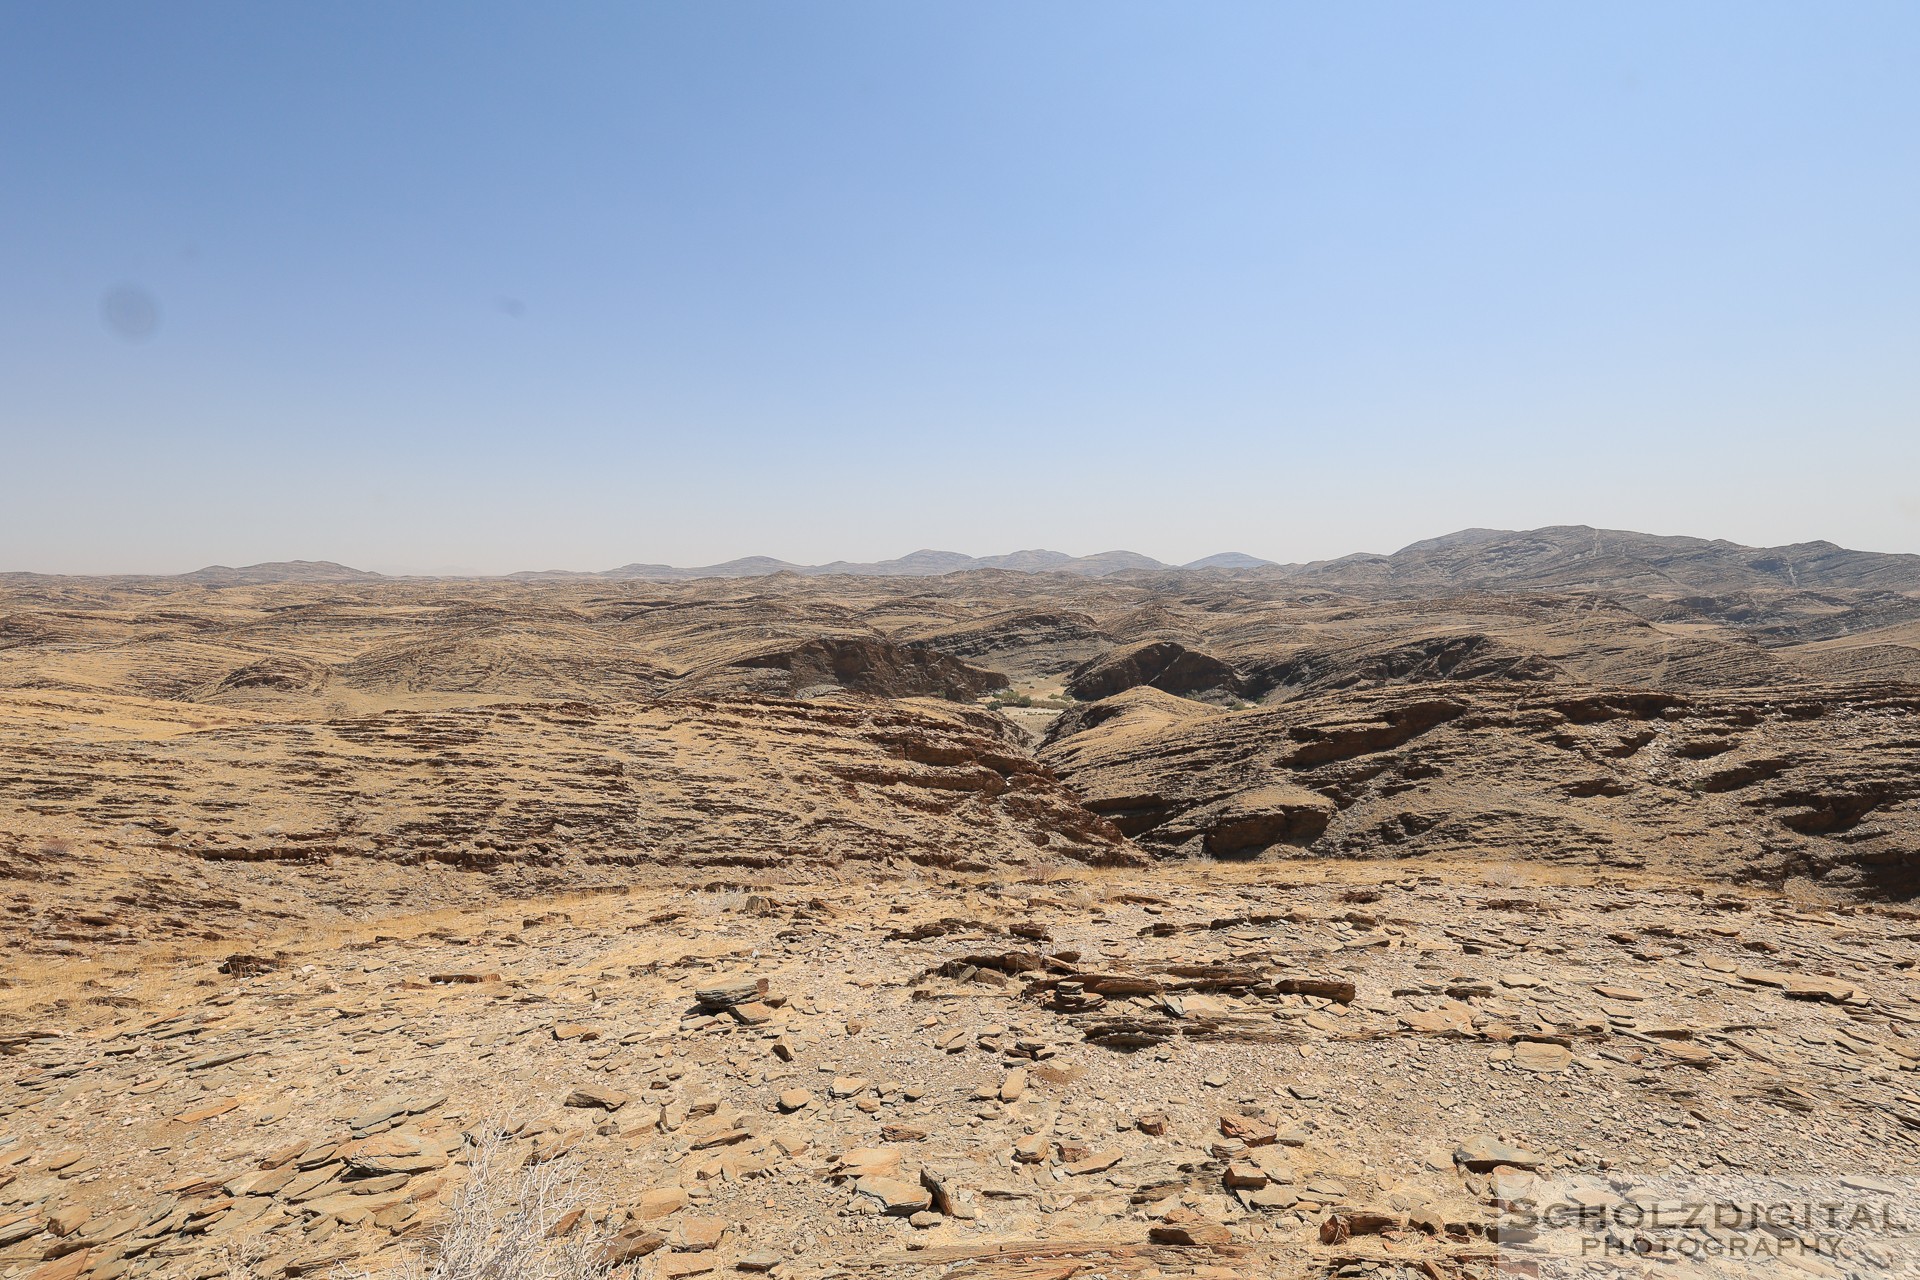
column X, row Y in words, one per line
column 1470, row 656
column 1163, row 664
column 877, row 667
column 1024, row 644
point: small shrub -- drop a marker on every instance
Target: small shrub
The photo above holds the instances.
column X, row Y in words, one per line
column 500, row 1220
column 501, row 1223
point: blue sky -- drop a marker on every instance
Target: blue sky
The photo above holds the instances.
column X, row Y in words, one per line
column 488, row 287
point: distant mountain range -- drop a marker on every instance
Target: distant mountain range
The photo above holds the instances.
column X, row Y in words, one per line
column 920, row 564
column 1563, row 557
column 253, row 575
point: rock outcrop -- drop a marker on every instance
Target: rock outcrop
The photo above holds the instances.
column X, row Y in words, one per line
column 1469, row 656
column 876, row 667
column 1024, row 645
column 1823, row 782
column 1166, row 665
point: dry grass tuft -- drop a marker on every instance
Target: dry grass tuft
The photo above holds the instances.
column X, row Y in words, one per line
column 504, row 1222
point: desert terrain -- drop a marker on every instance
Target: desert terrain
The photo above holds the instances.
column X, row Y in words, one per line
column 1039, row 918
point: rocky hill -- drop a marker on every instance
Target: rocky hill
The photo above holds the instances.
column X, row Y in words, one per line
column 1307, row 921
column 1576, row 556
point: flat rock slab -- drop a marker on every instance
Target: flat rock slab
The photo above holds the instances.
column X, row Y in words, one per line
column 596, row 1096
column 897, row 1196
column 1538, row 1056
column 1483, row 1153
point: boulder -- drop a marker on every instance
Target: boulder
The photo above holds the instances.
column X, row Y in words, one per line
column 596, row 1096
column 1483, row 1152
column 734, row 989
column 896, row 1196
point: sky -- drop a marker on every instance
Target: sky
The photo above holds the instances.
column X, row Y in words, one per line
column 482, row 287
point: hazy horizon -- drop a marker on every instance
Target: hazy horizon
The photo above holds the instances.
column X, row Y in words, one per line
column 461, row 571
column 491, row 289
